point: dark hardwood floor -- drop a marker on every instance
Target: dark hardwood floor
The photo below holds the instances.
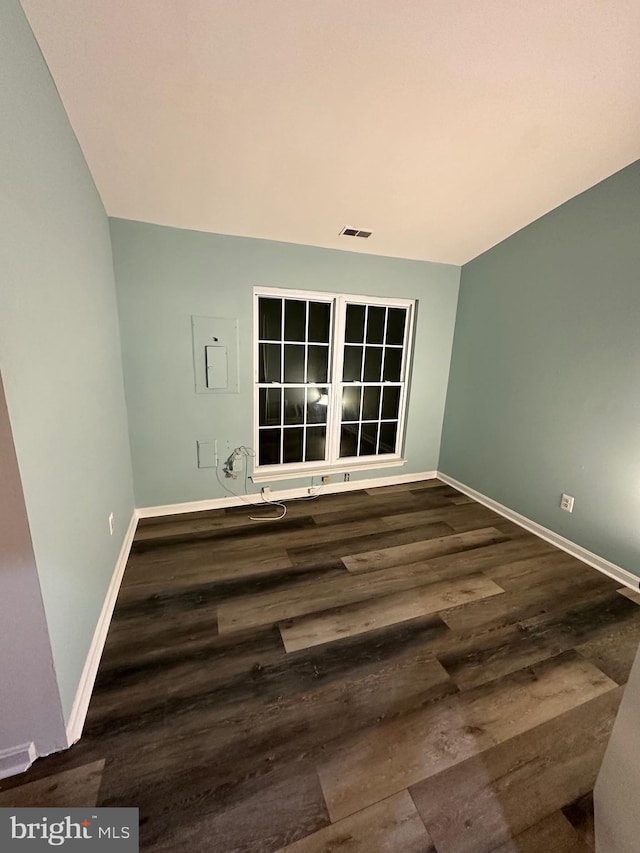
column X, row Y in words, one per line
column 398, row 669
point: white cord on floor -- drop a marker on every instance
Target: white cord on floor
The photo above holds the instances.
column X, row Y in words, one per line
column 249, row 453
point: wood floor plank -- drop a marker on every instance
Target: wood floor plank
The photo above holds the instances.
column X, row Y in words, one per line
column 311, row 555
column 486, row 800
column 580, row 815
column 67, row 789
column 282, row 810
column 378, row 763
column 631, row 594
column 312, row 596
column 391, row 825
column 514, row 606
column 358, row 618
column 604, row 628
column 480, row 657
column 386, row 558
column 382, row 491
column 553, row 833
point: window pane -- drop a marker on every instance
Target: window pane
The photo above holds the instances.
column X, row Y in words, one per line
column 269, row 367
column 354, row 332
column 352, row 364
column 293, row 363
column 269, row 447
column 319, row 316
column 392, row 364
column 316, row 444
column 317, row 405
column 295, row 320
column 269, row 406
column 348, row 440
column 372, row 364
column 375, row 324
column 371, row 403
column 318, row 364
column 294, row 405
column 351, row 404
column 395, row 325
column 391, row 402
column 293, row 444
column 388, row 435
column 270, row 319
column 368, row 439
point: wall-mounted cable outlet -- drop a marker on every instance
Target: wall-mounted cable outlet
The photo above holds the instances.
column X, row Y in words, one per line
column 111, row 525
column 566, row 503
column 266, row 491
column 325, row 479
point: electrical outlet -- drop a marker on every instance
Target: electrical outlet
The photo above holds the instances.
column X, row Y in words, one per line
column 111, row 526
column 346, row 478
column 266, row 491
column 566, row 503
column 325, row 479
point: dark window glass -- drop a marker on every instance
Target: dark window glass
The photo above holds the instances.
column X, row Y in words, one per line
column 269, row 368
column 270, row 319
column 372, row 364
column 317, row 364
column 292, row 450
column 392, row 364
column 269, row 406
column 317, row 405
column 269, row 446
column 352, row 364
column 375, row 324
column 354, row 330
column 391, row 402
column 316, row 444
column 371, row 403
column 395, row 325
column 368, row 439
column 349, row 440
column 294, row 405
column 293, row 363
column 388, row 434
column 295, row 320
column 351, row 403
column 319, row 317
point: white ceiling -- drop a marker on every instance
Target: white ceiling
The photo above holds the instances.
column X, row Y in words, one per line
column 441, row 125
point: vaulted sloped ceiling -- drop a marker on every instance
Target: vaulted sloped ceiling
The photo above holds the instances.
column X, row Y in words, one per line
column 442, row 126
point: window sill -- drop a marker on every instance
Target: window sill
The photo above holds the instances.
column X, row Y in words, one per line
column 278, row 472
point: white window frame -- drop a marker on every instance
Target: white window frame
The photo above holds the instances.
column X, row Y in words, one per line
column 333, row 463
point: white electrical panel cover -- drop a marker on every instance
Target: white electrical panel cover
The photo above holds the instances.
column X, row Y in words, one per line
column 215, row 355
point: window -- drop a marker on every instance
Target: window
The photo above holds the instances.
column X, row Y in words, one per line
column 331, row 376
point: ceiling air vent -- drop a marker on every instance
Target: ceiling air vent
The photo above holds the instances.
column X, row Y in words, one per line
column 354, row 232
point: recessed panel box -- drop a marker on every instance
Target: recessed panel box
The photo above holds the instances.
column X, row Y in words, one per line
column 215, row 355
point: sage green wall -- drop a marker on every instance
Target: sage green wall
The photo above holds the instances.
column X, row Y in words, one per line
column 164, row 275
column 59, row 351
column 544, row 387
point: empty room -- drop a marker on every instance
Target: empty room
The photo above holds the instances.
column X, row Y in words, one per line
column 320, row 425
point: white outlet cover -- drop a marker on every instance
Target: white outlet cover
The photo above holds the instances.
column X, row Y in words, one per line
column 566, row 503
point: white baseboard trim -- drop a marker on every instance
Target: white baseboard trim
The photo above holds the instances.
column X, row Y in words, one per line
column 17, row 759
column 88, row 677
column 281, row 495
column 611, row 569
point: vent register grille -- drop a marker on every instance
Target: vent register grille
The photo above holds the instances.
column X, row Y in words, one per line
column 354, row 232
